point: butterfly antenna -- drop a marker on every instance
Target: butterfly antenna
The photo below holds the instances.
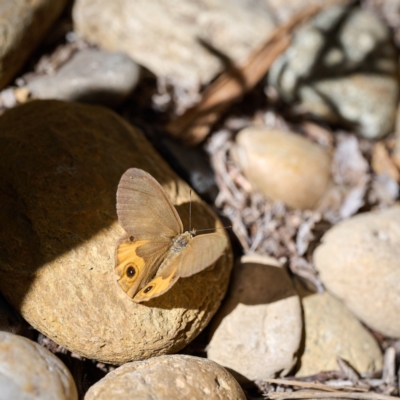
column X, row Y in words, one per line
column 213, row 229
column 190, row 210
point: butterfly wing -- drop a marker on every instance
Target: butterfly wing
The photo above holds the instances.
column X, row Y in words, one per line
column 144, row 208
column 150, row 221
column 199, row 253
column 137, row 262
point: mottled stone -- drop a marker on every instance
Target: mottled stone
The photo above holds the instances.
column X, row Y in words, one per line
column 23, row 24
column 284, row 166
column 28, row 371
column 332, row 331
column 342, row 67
column 60, row 164
column 178, row 40
column 358, row 261
column 177, row 377
column 257, row 331
column 91, row 76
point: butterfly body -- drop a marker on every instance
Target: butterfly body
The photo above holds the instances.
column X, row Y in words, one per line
column 156, row 252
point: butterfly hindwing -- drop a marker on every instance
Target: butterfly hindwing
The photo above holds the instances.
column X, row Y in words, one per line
column 137, row 262
column 199, row 253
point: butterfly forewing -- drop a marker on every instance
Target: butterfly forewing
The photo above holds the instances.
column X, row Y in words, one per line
column 150, row 221
column 143, row 207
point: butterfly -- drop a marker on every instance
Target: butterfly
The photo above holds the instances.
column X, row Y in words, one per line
column 156, row 252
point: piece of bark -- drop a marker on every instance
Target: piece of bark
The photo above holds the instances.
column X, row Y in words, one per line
column 383, row 163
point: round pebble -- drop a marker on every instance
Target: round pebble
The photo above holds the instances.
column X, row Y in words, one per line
column 28, row 371
column 60, row 164
column 257, row 332
column 284, row 166
column 168, row 377
column 359, row 262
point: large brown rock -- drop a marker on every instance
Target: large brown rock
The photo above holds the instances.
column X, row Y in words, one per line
column 177, row 377
column 60, row 164
column 23, row 25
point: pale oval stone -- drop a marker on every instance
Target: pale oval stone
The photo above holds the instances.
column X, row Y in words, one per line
column 168, row 377
column 284, row 166
column 91, row 76
column 359, row 262
column 176, row 40
column 29, row 371
column 23, row 25
column 60, row 164
column 256, row 333
column 332, row 331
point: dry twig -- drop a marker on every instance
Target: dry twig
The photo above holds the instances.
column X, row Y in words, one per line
column 318, row 393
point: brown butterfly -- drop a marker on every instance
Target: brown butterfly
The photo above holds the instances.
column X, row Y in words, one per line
column 156, row 252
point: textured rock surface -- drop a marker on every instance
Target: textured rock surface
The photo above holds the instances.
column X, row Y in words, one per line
column 23, row 25
column 91, row 76
column 257, row 331
column 358, row 261
column 29, row 371
column 284, row 166
column 342, row 67
column 332, row 331
column 168, row 377
column 60, row 164
column 179, row 40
